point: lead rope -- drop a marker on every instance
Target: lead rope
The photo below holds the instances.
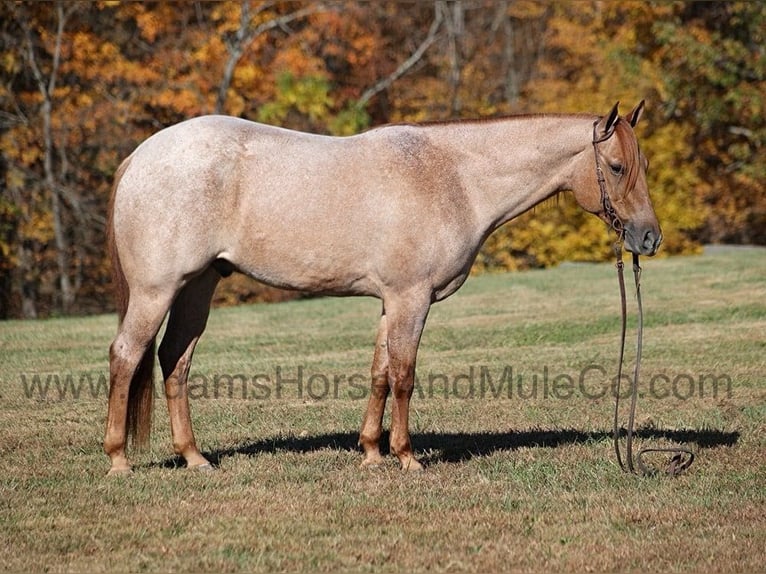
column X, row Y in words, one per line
column 682, row 457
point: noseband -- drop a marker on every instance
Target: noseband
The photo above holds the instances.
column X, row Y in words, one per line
column 682, row 457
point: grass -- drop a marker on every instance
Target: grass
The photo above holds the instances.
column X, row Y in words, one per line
column 511, row 416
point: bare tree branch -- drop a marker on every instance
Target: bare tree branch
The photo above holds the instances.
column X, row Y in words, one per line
column 244, row 36
column 405, row 66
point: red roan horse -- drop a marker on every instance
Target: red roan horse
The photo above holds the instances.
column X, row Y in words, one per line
column 397, row 212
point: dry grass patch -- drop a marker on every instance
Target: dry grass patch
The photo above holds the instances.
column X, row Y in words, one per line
column 520, row 472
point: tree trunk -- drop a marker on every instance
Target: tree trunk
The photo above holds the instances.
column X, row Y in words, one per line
column 8, row 227
column 47, row 90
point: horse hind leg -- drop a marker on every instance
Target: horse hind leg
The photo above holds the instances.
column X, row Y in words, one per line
column 131, row 360
column 187, row 321
column 372, row 424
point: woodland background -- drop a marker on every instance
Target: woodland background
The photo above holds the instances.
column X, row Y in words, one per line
column 82, row 83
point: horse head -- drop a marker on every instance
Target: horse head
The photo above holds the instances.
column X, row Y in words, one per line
column 618, row 193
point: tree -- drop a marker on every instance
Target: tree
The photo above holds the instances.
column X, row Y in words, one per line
column 251, row 26
column 83, row 83
column 46, row 84
column 714, row 69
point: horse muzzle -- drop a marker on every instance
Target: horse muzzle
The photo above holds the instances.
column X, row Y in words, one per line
column 643, row 240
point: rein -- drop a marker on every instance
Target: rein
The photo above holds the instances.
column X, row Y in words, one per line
column 682, row 457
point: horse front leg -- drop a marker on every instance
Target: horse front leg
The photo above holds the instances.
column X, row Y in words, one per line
column 372, row 424
column 405, row 326
column 403, row 376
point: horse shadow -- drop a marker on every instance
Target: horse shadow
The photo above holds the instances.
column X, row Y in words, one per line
column 455, row 447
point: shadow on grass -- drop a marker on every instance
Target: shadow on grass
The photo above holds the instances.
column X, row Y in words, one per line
column 462, row 446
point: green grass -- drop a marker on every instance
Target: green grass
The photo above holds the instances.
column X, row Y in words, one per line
column 520, row 470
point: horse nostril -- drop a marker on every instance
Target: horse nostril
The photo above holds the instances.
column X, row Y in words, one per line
column 651, row 241
column 648, row 239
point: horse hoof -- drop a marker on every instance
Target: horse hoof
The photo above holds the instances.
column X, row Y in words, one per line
column 205, row 467
column 412, row 465
column 372, row 462
column 120, row 471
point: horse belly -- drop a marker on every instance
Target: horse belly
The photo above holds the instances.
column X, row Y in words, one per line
column 304, row 246
column 290, row 265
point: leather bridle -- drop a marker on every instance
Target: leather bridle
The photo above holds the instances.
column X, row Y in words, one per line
column 682, row 457
column 606, row 204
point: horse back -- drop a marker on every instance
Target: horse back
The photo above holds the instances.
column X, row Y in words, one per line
column 299, row 210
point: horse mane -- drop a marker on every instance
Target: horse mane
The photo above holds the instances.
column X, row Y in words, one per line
column 630, row 151
column 494, row 119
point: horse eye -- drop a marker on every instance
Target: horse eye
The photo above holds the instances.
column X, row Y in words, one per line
column 617, row 169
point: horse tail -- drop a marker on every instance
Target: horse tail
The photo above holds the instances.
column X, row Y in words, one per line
column 141, row 399
column 141, row 390
column 119, row 282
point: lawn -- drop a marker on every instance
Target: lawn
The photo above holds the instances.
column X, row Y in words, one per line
column 511, row 416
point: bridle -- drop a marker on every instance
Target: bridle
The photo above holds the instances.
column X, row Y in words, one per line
column 682, row 457
column 606, row 204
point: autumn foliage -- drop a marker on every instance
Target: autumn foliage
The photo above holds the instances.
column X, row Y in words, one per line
column 84, row 82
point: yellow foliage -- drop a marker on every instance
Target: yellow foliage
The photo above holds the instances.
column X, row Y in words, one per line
column 246, row 74
column 128, row 69
column 184, row 101
column 149, row 25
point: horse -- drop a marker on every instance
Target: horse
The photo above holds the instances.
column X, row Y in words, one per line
column 397, row 212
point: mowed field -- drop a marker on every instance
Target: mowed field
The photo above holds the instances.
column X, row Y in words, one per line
column 511, row 416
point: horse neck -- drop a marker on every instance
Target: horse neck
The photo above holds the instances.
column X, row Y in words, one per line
column 510, row 165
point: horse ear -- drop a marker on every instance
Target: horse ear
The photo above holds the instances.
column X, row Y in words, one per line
column 607, row 123
column 636, row 114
